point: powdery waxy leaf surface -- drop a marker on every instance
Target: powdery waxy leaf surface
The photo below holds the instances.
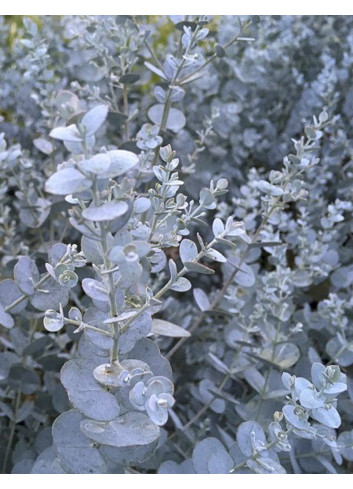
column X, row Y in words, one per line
column 245, row 276
column 138, row 329
column 175, row 121
column 247, row 433
column 187, row 250
column 67, row 181
column 106, row 212
column 6, row 319
column 210, row 457
column 265, row 465
column 94, row 118
column 328, row 416
column 181, row 285
column 95, row 289
column 26, row 274
column 147, row 351
column 131, row 429
column 121, row 161
column 74, row 449
column 9, row 293
column 85, row 393
column 50, row 300
column 198, row 268
column 166, row 328
column 129, row 455
column 7, row 359
column 98, row 164
column 201, row 299
column 53, row 321
column 48, row 463
column 117, row 375
column 68, row 134
column 286, row 355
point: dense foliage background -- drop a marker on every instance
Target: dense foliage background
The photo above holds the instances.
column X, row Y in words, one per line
column 176, row 244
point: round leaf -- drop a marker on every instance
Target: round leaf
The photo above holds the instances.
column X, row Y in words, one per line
column 53, row 321
column 85, row 393
column 210, row 457
column 74, row 449
column 50, row 296
column 130, row 430
column 175, row 121
column 9, row 293
column 248, row 433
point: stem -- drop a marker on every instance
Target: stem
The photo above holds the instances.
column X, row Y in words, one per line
column 223, row 290
column 159, row 208
column 269, row 371
column 114, row 327
column 126, row 112
column 213, row 304
column 214, row 56
column 208, row 404
column 36, row 286
column 170, row 89
column 12, row 432
column 87, row 326
column 220, row 294
column 115, row 333
column 152, row 53
column 256, row 454
column 166, row 287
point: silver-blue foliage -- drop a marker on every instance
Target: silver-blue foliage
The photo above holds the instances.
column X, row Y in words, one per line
column 176, row 244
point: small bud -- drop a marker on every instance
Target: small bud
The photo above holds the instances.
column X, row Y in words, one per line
column 299, row 411
column 278, row 416
column 222, row 184
column 162, row 403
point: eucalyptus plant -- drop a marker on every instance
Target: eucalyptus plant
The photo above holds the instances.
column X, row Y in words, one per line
column 176, row 245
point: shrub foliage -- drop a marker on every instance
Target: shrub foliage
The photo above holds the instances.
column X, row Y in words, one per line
column 176, row 244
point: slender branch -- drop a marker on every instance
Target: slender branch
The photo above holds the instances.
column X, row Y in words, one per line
column 12, row 432
column 113, row 309
column 256, row 454
column 36, row 286
column 224, row 289
column 126, row 112
column 214, row 56
column 83, row 325
column 152, row 53
column 173, row 83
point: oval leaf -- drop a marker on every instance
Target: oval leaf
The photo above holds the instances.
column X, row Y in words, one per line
column 94, row 119
column 121, row 161
column 201, row 299
column 67, row 181
column 176, row 119
column 165, row 328
column 69, row 133
column 106, row 212
column 187, row 250
column 26, row 274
